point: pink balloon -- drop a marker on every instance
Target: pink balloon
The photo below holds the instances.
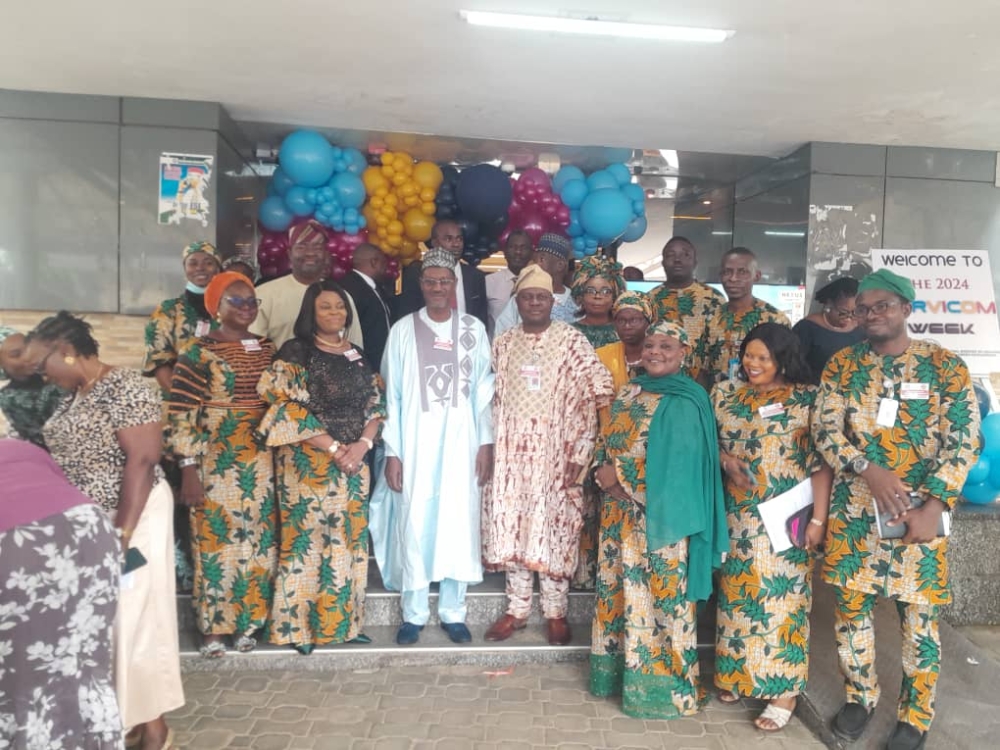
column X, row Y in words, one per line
column 502, row 239
column 515, row 212
column 392, row 269
column 562, row 214
column 535, row 225
column 536, row 177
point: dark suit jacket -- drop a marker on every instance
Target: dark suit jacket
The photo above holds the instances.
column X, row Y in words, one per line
column 411, row 298
column 371, row 316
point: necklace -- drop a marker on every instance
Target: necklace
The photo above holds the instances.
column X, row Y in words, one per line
column 330, row 344
column 102, row 370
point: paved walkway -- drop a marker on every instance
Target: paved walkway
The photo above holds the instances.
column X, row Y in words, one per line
column 444, row 708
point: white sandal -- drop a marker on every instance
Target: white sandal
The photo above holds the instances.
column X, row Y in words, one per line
column 780, row 717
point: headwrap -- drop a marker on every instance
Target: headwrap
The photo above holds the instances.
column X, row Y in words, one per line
column 555, row 244
column 597, row 267
column 438, row 257
column 684, row 496
column 5, row 331
column 218, row 286
column 533, row 277
column 234, row 259
column 199, row 247
column 305, row 231
column 629, row 300
column 666, row 328
column 890, row 282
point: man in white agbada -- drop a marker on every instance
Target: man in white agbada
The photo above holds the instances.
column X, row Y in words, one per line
column 425, row 511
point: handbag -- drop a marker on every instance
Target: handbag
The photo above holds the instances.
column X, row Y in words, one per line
column 797, row 524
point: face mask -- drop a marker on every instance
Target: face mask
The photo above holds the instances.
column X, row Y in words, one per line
column 194, row 288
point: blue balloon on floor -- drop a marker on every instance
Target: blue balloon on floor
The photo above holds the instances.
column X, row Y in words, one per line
column 991, row 433
column 982, row 398
column 307, row 157
column 274, row 214
column 980, row 471
column 980, row 494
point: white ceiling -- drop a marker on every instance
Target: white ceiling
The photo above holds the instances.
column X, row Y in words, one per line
column 919, row 72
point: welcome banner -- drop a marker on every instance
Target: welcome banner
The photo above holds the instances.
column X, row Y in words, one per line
column 955, row 304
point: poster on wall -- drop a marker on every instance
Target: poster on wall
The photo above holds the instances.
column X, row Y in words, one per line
column 955, row 304
column 840, row 240
column 184, row 181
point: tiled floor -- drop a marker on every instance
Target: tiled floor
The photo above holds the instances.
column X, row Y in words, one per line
column 445, row 708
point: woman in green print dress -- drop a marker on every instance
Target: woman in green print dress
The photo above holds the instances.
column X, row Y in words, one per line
column 764, row 598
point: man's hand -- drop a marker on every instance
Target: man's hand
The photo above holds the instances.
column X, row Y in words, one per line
column 891, row 495
column 484, row 465
column 394, row 473
column 922, row 523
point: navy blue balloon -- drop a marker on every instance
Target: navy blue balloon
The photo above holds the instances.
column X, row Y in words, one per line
column 274, row 214
column 484, row 192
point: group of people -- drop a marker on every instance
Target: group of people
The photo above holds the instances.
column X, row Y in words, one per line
column 581, row 432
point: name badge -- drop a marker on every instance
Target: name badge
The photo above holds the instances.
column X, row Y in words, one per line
column 734, row 368
column 202, row 328
column 444, row 345
column 352, row 355
column 887, row 409
column 532, row 375
column 915, row 391
column 771, row 410
column 250, row 345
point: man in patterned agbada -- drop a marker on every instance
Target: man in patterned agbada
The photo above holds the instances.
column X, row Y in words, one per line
column 897, row 419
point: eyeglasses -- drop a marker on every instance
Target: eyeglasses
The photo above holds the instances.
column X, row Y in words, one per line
column 438, row 283
column 243, row 303
column 879, row 308
column 630, row 321
column 40, row 367
column 593, row 291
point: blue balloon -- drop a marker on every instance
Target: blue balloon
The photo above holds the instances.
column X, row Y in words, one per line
column 634, row 192
column 307, row 157
column 579, row 254
column 297, row 201
column 639, row 208
column 982, row 398
column 980, row 471
column 326, row 195
column 564, row 175
column 281, row 181
column 348, row 190
column 579, row 244
column 337, row 225
column 351, row 216
column 606, row 213
column 635, row 229
column 980, row 494
column 991, row 434
column 600, row 180
column 592, row 243
column 573, row 193
column 484, row 193
column 271, row 189
column 362, row 222
column 312, row 195
column 573, row 229
column 355, row 160
column 621, row 173
column 339, row 165
column 351, row 227
column 274, row 215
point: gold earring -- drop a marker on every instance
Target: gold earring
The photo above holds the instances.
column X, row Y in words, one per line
column 69, row 360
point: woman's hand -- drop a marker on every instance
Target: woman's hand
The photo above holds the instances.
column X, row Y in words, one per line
column 737, row 471
column 815, row 536
column 394, row 473
column 192, row 491
column 607, row 481
column 351, row 457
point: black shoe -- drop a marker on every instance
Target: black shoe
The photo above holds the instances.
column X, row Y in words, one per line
column 408, row 634
column 851, row 721
column 457, row 632
column 906, row 737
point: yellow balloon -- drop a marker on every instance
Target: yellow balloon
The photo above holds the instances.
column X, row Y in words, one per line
column 407, row 189
column 412, row 201
column 404, row 162
column 376, row 201
column 395, row 227
column 388, row 157
column 391, row 200
column 382, row 190
column 427, row 195
column 398, row 179
column 382, row 220
column 394, row 240
column 388, row 171
column 428, row 208
column 373, row 179
column 418, row 225
column 427, row 174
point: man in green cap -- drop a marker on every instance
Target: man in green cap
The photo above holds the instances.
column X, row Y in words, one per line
column 897, row 420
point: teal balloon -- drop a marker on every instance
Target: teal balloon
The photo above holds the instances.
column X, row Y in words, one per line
column 579, row 245
column 307, row 158
column 982, row 399
column 355, row 160
column 980, row 494
column 297, row 200
column 600, row 180
column 621, row 173
column 348, row 190
column 606, row 213
column 573, row 229
column 564, row 175
column 980, row 471
column 573, row 193
column 274, row 214
column 281, row 182
column 994, row 461
column 634, row 192
column 635, row 229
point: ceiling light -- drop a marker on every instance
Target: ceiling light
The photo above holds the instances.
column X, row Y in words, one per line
column 707, row 203
column 721, row 234
column 595, row 27
column 777, row 233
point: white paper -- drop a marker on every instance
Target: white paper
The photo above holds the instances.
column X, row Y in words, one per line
column 776, row 511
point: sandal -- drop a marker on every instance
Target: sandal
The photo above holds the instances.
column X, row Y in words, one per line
column 168, row 743
column 777, row 715
column 728, row 697
column 212, row 650
column 133, row 738
column 245, row 644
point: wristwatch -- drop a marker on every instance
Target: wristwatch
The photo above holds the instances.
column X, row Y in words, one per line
column 859, row 465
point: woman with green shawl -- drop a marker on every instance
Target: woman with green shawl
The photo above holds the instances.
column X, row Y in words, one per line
column 663, row 532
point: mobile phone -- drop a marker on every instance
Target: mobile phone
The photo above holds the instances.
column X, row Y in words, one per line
column 134, row 560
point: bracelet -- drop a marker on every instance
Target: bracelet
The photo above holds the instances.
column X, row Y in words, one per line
column 124, row 534
column 367, row 441
column 817, row 522
column 334, row 447
column 185, row 462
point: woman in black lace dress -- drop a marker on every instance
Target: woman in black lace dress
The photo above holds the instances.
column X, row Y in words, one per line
column 326, row 406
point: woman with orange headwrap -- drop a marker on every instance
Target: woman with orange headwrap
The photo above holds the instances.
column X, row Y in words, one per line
column 227, row 474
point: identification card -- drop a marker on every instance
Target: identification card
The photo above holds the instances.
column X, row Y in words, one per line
column 444, row 345
column 734, row 368
column 532, row 375
column 771, row 410
column 915, row 391
column 202, row 328
column 127, row 581
column 250, row 345
column 887, row 409
column 353, row 355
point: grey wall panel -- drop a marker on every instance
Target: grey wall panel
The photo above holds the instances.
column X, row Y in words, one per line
column 942, row 214
column 41, row 105
column 710, row 229
column 941, row 163
column 848, row 159
column 774, row 225
column 239, row 193
column 793, row 167
column 170, row 113
column 58, row 215
column 151, row 268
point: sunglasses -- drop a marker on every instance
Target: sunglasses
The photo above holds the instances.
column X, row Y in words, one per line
column 243, row 303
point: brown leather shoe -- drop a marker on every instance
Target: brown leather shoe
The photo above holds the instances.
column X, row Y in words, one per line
column 504, row 628
column 559, row 632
